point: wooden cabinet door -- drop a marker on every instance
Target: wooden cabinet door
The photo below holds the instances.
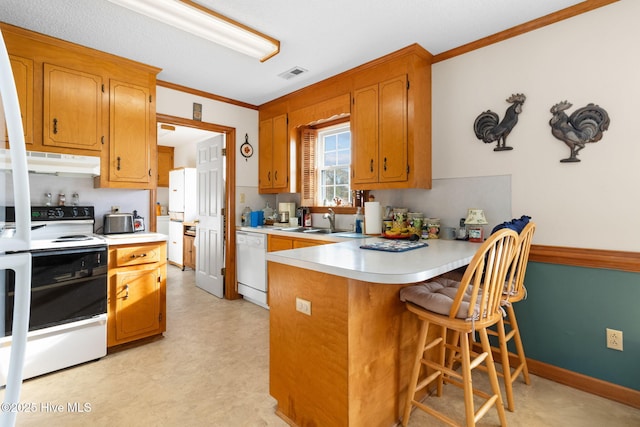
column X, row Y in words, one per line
column 138, row 303
column 279, row 243
column 392, row 130
column 130, row 142
column 189, row 252
column 265, row 174
column 72, row 109
column 379, row 133
column 364, row 135
column 273, row 175
column 165, row 164
column 301, row 243
column 23, row 75
column 280, row 165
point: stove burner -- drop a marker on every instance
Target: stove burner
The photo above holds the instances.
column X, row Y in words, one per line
column 73, row 238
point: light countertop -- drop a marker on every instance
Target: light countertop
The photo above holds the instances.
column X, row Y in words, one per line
column 129, row 238
column 347, row 259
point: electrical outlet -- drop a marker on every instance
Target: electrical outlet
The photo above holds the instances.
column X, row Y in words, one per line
column 303, row 306
column 115, row 209
column 242, row 198
column 614, row 339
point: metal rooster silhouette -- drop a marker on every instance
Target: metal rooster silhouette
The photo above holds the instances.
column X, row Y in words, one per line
column 488, row 128
column 585, row 125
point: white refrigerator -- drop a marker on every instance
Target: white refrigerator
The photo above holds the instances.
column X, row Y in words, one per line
column 14, row 243
column 182, row 208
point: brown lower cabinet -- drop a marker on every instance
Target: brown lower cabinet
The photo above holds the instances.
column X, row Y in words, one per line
column 188, row 252
column 137, row 281
column 281, row 243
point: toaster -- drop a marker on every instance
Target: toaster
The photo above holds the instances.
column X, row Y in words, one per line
column 118, row 223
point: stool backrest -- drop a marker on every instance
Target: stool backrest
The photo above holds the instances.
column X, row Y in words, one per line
column 483, row 280
column 515, row 279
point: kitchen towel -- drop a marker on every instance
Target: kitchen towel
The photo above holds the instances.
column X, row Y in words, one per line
column 372, row 218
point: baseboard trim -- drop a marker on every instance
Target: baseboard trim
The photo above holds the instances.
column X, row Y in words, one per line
column 585, row 383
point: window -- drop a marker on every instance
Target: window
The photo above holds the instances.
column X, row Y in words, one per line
column 333, row 154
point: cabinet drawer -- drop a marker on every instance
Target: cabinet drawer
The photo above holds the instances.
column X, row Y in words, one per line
column 136, row 255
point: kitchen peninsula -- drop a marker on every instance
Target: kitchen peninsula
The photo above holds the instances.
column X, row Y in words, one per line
column 341, row 342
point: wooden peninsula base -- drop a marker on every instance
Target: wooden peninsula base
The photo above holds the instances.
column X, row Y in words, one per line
column 348, row 362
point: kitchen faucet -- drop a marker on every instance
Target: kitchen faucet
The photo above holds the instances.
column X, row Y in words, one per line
column 331, row 216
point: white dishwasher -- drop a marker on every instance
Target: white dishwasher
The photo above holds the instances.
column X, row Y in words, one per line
column 251, row 266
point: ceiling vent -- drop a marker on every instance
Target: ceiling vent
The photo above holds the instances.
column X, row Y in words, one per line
column 294, row 72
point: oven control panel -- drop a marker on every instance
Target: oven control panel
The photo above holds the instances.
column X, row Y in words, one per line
column 55, row 213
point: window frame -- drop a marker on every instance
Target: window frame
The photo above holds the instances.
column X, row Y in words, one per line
column 321, row 166
column 307, row 135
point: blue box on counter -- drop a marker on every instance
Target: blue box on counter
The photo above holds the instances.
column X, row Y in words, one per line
column 257, row 218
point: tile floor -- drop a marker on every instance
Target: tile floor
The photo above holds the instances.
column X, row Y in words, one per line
column 211, row 369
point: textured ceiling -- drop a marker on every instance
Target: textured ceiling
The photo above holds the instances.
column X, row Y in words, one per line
column 325, row 37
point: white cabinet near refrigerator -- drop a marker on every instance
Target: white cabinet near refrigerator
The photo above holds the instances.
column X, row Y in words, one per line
column 182, row 207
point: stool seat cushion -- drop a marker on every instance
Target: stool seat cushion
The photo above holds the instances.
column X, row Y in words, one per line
column 437, row 296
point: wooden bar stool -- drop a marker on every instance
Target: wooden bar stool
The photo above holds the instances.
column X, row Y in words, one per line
column 514, row 291
column 465, row 308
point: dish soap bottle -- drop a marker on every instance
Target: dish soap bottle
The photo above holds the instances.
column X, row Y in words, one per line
column 359, row 221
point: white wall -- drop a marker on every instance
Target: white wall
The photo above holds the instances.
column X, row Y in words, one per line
column 244, row 120
column 589, row 58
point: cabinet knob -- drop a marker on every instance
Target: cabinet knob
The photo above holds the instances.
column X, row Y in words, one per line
column 55, row 125
column 118, row 165
column 371, row 165
column 385, row 164
column 126, row 289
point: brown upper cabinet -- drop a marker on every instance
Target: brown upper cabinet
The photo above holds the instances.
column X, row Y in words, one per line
column 23, row 76
column 82, row 101
column 165, row 164
column 390, row 116
column 130, row 146
column 72, row 109
column 379, row 134
column 273, row 163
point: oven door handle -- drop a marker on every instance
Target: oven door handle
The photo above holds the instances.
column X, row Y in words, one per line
column 10, row 230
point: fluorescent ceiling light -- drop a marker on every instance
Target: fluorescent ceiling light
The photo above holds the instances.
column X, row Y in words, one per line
column 202, row 22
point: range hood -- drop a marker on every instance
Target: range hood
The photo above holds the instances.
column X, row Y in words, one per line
column 55, row 163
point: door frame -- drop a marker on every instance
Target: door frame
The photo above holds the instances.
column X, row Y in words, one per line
column 230, row 288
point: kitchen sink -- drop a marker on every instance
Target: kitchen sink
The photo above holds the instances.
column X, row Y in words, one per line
column 310, row 230
column 321, row 231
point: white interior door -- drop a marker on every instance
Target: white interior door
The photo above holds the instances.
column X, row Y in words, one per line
column 210, row 230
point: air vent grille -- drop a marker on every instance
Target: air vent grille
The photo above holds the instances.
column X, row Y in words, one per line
column 293, row 72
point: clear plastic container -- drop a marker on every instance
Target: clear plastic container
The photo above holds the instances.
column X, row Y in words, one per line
column 245, row 218
column 268, row 212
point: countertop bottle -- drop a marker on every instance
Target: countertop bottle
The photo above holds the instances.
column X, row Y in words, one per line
column 358, row 220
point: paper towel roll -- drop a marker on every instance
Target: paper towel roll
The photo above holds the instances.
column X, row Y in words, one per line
column 372, row 218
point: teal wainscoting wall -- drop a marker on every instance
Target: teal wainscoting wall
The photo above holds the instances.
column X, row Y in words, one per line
column 563, row 320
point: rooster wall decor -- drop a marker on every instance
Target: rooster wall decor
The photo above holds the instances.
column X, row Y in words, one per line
column 585, row 125
column 488, row 128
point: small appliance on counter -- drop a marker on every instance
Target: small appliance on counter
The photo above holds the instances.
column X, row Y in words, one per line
column 118, row 223
column 138, row 222
column 289, row 207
